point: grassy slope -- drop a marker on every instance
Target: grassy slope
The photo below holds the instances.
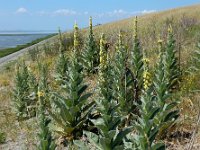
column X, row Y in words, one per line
column 186, row 24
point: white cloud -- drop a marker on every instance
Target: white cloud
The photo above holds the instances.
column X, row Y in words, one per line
column 147, row 11
column 22, row 10
column 122, row 13
column 86, row 13
column 119, row 12
column 64, row 12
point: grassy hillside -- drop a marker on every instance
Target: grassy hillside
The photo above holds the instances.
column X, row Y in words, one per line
column 185, row 23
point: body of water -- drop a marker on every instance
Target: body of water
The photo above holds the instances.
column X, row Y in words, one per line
column 12, row 39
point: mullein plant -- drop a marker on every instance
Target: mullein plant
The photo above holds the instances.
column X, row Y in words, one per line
column 145, row 127
column 119, row 73
column 171, row 66
column 156, row 112
column 121, row 89
column 22, row 95
column 46, row 141
column 109, row 136
column 62, row 62
column 90, row 52
column 136, row 62
column 72, row 108
column 43, row 81
column 167, row 107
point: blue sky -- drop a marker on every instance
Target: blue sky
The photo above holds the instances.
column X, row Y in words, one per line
column 51, row 14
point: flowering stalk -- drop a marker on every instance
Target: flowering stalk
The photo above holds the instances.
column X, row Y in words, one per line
column 76, row 37
column 137, row 63
column 146, row 74
column 103, row 54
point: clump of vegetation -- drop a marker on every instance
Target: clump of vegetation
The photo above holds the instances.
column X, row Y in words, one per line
column 71, row 107
column 62, row 62
column 171, row 66
column 136, row 63
column 45, row 137
column 24, row 95
column 90, row 52
column 2, row 137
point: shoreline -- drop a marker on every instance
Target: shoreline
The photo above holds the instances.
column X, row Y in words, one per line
column 7, row 51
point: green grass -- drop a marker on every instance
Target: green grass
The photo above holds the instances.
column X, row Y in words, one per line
column 7, row 51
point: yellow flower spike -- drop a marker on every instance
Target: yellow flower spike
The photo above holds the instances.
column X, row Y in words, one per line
column 119, row 44
column 160, row 41
column 103, row 53
column 90, row 22
column 40, row 93
column 76, row 40
column 120, row 38
column 135, row 27
column 146, row 74
column 170, row 30
column 146, row 60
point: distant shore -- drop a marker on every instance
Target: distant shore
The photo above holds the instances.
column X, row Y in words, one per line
column 6, row 51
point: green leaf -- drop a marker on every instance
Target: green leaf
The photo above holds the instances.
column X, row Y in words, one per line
column 81, row 145
column 105, row 143
column 121, row 135
column 153, row 134
column 82, row 89
column 158, row 146
column 93, row 139
column 84, row 97
column 171, row 115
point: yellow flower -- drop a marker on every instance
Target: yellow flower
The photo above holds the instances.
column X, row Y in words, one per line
column 40, row 93
column 160, row 41
column 103, row 53
column 146, row 79
column 146, row 60
column 170, row 30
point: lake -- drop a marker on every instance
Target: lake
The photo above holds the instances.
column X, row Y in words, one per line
column 12, row 39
